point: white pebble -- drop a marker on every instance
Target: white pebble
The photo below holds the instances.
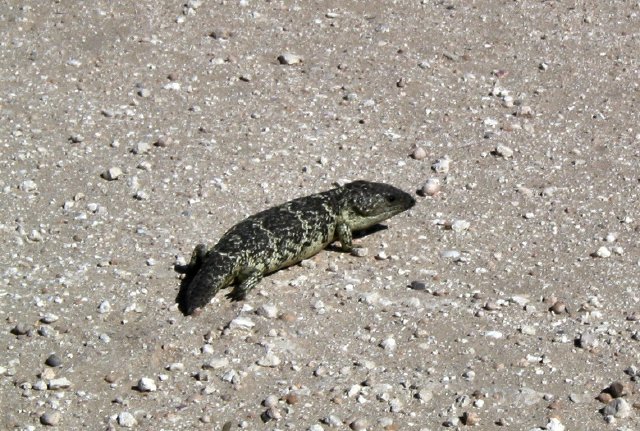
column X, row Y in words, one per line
column 269, row 311
column 389, row 344
column 50, row 418
column 112, row 174
column 241, row 322
column 419, row 153
column 28, row 186
column 60, row 383
column 269, row 360
column 216, row 363
column 555, row 425
column 493, row 334
column 603, row 252
column 431, row 187
column 126, row 420
column 141, row 148
column 145, row 384
column 289, row 59
column 460, row 225
column 175, row 86
column 504, row 151
column 49, row 318
column 175, row 366
column 441, row 166
column 104, row 307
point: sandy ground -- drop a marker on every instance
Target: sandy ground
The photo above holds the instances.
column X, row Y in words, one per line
column 130, row 131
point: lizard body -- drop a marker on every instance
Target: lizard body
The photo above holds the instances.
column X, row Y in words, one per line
column 284, row 235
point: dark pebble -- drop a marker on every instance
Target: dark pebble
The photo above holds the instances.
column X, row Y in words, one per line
column 418, row 285
column 53, row 360
column 21, row 329
column 616, row 389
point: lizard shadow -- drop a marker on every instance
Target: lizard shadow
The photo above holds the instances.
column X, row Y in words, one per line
column 190, row 271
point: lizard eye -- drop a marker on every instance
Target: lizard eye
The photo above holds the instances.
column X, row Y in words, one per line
column 391, row 198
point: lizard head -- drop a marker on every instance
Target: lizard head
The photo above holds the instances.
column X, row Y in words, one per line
column 366, row 203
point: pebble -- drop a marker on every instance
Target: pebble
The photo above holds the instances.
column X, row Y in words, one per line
column 49, row 318
column 503, row 151
column 145, row 384
column 554, row 424
column 470, row 418
column 104, row 307
column 389, row 344
column 144, row 92
column 28, row 186
column 112, row 174
column 616, row 389
column 141, row 148
column 50, row 418
column 53, row 360
column 126, row 420
column 618, row 408
column 175, row 366
column 60, row 383
column 289, row 59
column 241, row 322
column 270, row 401
column 442, row 166
column 450, row 254
column 21, row 329
column 419, row 153
column 359, row 425
column 269, row 360
column 360, row 251
column 602, row 252
column 431, row 187
column 269, row 311
column 216, row 363
column 588, row 341
column 418, row 285
column 460, row 225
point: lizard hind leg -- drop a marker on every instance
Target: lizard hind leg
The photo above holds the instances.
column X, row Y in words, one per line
column 249, row 278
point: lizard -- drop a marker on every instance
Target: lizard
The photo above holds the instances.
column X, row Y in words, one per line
column 284, row 235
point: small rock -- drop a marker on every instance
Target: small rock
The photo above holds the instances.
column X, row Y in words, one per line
column 241, row 322
column 460, row 226
column 431, row 187
column 419, row 153
column 418, row 285
column 602, row 252
column 504, row 151
column 269, row 311
column 112, row 174
column 359, row 425
column 216, row 363
column 28, row 186
column 53, row 360
column 558, row 307
column 270, row 401
column 587, row 341
column 269, row 360
column 141, row 148
column 50, row 418
column 144, row 92
column 554, row 424
column 389, row 344
column 104, row 307
column 442, row 166
column 145, row 384
column 289, row 59
column 175, row 366
column 49, row 318
column 60, row 383
column 360, row 251
column 126, row 420
column 618, row 408
column 470, row 418
column 616, row 389
column 21, row 329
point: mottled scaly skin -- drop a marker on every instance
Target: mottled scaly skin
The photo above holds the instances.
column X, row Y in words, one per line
column 284, row 235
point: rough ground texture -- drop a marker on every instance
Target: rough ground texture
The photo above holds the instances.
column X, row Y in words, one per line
column 130, row 131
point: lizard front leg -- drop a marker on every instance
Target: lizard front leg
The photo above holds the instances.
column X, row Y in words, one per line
column 197, row 257
column 249, row 278
column 345, row 236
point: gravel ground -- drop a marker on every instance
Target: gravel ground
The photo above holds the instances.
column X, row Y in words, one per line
column 507, row 298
